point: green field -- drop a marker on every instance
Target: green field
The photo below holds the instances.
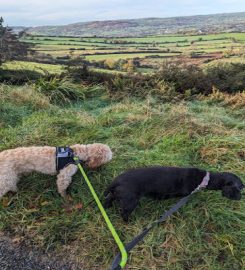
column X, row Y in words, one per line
column 186, row 48
column 125, row 56
column 39, row 67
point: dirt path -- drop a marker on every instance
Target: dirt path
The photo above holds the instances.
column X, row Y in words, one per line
column 20, row 257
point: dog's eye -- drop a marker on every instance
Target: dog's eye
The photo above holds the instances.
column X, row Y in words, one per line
column 229, row 184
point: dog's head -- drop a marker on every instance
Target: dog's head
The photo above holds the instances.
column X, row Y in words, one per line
column 94, row 155
column 97, row 154
column 232, row 186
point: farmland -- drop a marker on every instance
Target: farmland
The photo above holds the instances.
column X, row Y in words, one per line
column 146, row 52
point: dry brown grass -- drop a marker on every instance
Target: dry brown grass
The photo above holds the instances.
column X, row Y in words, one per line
column 24, row 95
column 235, row 101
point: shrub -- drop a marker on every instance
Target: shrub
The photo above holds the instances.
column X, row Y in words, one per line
column 184, row 78
column 184, row 81
column 166, row 91
column 228, row 77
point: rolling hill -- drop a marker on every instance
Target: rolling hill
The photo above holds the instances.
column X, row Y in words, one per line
column 232, row 22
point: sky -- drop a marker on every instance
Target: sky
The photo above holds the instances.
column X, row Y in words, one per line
column 59, row 12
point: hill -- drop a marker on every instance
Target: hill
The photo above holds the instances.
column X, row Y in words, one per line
column 148, row 26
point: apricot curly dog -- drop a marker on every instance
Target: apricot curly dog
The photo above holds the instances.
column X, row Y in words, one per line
column 22, row 160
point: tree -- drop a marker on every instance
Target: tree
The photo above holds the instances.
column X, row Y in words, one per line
column 10, row 46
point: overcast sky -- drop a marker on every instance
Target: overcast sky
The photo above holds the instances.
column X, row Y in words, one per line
column 56, row 12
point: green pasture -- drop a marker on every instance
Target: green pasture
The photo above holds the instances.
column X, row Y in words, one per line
column 126, row 56
column 22, row 65
column 222, row 37
column 181, row 38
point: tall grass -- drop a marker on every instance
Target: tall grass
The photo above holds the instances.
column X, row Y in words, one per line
column 208, row 233
column 61, row 90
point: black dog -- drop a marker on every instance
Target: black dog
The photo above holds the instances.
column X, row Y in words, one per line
column 166, row 182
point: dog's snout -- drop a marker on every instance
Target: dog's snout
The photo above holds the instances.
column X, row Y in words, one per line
column 241, row 187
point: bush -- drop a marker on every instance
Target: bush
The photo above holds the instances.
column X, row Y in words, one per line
column 228, row 77
column 173, row 80
column 185, row 77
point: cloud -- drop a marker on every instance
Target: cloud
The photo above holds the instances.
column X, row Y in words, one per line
column 43, row 12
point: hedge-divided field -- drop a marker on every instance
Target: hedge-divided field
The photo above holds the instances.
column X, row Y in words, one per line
column 149, row 51
column 205, row 131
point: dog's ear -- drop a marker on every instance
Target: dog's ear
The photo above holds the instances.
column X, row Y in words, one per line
column 231, row 192
column 93, row 162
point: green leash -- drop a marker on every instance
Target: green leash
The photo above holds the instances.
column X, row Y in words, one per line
column 124, row 255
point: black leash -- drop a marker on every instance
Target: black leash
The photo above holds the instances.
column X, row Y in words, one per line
column 115, row 264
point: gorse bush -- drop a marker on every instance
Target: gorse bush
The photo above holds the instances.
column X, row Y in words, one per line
column 141, row 86
column 184, row 78
column 227, row 77
column 171, row 80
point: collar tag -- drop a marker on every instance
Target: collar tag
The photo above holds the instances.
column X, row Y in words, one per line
column 63, row 152
column 205, row 181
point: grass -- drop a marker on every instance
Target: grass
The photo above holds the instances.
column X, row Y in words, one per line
column 207, row 233
column 126, row 56
column 41, row 68
column 179, row 38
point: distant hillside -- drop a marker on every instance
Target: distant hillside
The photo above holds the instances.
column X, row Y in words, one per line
column 148, row 26
column 18, row 29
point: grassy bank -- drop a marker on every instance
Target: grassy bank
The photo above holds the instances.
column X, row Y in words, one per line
column 208, row 233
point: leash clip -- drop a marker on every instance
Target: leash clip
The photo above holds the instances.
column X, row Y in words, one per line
column 77, row 160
